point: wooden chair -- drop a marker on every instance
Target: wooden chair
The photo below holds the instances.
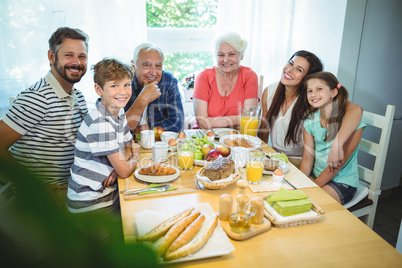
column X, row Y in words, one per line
column 260, row 86
column 364, row 203
column 11, row 100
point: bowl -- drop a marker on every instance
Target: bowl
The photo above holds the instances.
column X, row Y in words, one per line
column 167, row 135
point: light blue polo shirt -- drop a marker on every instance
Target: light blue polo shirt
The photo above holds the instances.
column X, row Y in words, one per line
column 349, row 173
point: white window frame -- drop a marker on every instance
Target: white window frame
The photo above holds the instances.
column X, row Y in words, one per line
column 182, row 39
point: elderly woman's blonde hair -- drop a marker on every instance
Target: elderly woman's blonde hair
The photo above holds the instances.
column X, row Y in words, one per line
column 233, row 39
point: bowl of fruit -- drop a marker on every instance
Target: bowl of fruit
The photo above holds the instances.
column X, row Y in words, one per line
column 206, row 151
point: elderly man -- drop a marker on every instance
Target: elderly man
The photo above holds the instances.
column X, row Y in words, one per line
column 40, row 129
column 156, row 98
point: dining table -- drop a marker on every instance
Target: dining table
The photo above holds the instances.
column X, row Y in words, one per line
column 339, row 239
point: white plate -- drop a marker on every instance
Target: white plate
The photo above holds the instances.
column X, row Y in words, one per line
column 282, row 165
column 217, row 245
column 220, row 132
column 157, row 179
column 201, row 162
column 255, row 140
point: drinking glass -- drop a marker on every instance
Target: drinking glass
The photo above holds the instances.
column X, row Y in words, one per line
column 185, row 153
column 254, row 166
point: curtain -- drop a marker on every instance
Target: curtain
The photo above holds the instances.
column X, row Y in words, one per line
column 275, row 29
column 114, row 28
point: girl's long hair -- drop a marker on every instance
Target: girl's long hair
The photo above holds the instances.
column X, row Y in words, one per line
column 339, row 103
column 300, row 108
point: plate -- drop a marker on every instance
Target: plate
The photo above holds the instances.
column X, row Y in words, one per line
column 282, row 165
column 220, row 132
column 217, row 245
column 256, row 141
column 201, row 162
column 157, row 179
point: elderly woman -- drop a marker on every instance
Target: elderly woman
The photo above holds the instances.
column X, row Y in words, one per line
column 221, row 89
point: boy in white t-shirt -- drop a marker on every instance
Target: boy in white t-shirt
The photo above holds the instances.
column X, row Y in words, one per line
column 104, row 148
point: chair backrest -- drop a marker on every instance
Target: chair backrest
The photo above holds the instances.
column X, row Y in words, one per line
column 378, row 150
column 11, row 100
column 260, row 86
column 373, row 177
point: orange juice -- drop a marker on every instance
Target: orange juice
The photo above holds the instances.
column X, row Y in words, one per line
column 186, row 160
column 254, row 171
column 249, row 125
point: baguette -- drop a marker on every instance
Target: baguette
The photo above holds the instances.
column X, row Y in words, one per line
column 162, row 228
column 194, row 244
column 174, row 232
column 186, row 235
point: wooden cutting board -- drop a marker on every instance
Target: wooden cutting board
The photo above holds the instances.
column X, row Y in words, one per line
column 255, row 229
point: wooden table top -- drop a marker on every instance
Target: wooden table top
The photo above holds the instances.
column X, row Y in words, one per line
column 339, row 240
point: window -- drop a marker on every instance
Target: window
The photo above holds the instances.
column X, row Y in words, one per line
column 184, row 30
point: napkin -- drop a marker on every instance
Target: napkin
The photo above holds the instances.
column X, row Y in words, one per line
column 289, row 202
column 156, row 185
column 282, row 195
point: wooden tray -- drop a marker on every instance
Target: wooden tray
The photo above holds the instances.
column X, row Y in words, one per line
column 255, row 229
column 300, row 221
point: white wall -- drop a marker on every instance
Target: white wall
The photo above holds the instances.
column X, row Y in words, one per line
column 370, row 68
column 323, row 17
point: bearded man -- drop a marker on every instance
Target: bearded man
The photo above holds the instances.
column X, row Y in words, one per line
column 40, row 128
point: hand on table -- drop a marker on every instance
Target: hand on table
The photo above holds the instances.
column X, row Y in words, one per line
column 140, row 128
column 111, row 179
column 135, row 150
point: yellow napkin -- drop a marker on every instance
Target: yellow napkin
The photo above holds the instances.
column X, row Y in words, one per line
column 171, row 188
column 285, row 195
column 288, row 202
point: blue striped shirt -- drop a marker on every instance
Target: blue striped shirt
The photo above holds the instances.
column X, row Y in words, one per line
column 165, row 111
column 48, row 119
column 100, row 135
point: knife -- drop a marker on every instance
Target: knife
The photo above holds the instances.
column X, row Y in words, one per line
column 156, row 188
column 289, row 183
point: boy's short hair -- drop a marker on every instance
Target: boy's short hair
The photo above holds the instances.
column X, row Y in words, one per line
column 62, row 33
column 110, row 70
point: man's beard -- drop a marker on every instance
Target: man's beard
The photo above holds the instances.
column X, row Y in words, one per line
column 62, row 71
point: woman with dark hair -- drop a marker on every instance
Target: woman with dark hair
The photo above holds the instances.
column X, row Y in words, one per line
column 284, row 107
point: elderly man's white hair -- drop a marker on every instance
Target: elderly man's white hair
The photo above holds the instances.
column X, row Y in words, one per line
column 233, row 39
column 147, row 47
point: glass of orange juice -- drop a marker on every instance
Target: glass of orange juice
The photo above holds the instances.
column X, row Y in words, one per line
column 185, row 153
column 254, row 166
column 250, row 121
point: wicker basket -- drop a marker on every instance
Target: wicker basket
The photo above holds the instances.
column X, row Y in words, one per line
column 215, row 185
column 300, row 221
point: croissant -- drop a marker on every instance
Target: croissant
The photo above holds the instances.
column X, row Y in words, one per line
column 246, row 143
column 157, row 169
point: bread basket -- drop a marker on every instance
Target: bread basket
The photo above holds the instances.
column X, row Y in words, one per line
column 219, row 184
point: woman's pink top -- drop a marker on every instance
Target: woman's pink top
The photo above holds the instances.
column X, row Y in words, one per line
column 206, row 89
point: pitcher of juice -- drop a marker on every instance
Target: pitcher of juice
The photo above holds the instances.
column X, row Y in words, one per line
column 250, row 120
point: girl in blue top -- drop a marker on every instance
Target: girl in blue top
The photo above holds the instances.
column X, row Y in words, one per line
column 327, row 99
